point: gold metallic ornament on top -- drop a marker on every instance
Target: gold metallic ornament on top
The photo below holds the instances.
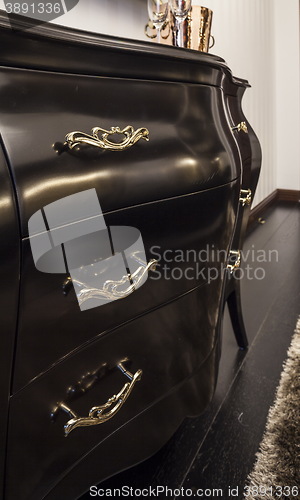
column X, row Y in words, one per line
column 196, row 30
column 204, row 30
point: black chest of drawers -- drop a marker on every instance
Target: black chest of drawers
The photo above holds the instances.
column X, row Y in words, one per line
column 181, row 190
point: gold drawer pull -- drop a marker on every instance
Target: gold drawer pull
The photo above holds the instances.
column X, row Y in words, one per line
column 112, row 289
column 245, row 197
column 234, row 260
column 100, row 138
column 241, row 127
column 100, row 414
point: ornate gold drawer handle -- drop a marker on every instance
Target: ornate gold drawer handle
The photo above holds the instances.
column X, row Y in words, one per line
column 241, row 127
column 100, row 414
column 100, row 138
column 245, row 197
column 112, row 289
column 236, row 255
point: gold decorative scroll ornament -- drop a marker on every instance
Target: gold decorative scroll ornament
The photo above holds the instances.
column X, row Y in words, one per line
column 100, row 414
column 234, row 260
column 112, row 289
column 245, row 197
column 241, row 127
column 101, row 138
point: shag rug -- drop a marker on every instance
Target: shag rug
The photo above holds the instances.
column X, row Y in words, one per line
column 276, row 473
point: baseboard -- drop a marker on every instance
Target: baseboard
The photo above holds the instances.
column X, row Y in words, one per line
column 289, row 195
column 258, row 210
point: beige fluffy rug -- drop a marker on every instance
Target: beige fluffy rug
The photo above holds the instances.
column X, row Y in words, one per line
column 276, row 473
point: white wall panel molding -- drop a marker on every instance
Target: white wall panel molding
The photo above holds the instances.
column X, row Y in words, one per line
column 287, row 94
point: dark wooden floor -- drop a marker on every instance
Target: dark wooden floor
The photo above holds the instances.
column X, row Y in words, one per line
column 217, row 450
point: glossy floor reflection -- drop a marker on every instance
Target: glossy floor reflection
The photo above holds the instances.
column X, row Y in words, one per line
column 217, row 449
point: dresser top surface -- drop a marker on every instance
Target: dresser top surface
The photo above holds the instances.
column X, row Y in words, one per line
column 54, row 48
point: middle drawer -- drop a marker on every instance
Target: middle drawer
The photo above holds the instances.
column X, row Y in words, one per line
column 185, row 235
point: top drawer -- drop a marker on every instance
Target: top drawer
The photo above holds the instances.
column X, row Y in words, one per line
column 191, row 147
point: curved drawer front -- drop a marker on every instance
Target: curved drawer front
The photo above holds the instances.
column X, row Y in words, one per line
column 248, row 142
column 168, row 345
column 189, row 236
column 190, row 147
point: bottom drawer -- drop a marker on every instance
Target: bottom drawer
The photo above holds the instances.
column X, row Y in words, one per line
column 142, row 436
column 168, row 345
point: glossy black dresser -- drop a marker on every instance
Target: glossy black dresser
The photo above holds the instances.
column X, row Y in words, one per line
column 88, row 392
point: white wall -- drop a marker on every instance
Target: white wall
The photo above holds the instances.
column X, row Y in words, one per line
column 287, row 93
column 125, row 18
